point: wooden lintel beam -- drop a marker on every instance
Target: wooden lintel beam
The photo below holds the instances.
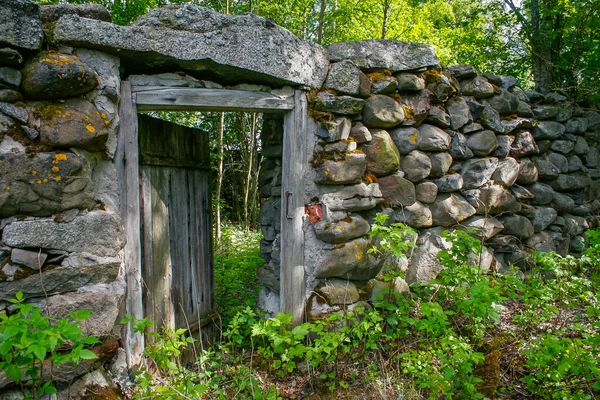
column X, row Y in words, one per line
column 156, row 98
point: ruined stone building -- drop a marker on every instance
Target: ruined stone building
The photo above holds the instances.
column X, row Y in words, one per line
column 107, row 210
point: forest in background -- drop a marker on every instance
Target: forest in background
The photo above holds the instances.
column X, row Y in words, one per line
column 546, row 44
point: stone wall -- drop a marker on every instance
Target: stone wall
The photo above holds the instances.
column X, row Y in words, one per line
column 440, row 148
column 389, row 130
column 269, row 184
column 61, row 233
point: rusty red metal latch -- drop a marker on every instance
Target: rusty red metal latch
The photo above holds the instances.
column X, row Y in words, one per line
column 315, row 212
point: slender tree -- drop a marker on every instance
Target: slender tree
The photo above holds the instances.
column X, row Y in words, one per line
column 219, row 184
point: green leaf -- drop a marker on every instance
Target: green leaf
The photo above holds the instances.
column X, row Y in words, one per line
column 87, row 354
column 38, row 351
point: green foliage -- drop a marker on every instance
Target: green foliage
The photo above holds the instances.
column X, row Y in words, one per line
column 393, row 239
column 29, row 338
column 236, row 261
column 435, row 342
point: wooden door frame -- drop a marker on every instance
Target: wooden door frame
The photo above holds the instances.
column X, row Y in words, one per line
column 294, row 161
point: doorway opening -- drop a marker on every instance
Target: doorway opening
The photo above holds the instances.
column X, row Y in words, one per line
column 227, row 164
column 285, row 202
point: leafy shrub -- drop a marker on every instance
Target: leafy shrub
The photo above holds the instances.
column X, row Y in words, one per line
column 433, row 343
column 28, row 338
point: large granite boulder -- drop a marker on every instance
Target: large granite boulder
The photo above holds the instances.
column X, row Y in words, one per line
column 346, row 78
column 359, row 197
column 328, row 102
column 440, row 164
column 20, row 24
column 350, row 169
column 449, row 183
column 381, row 111
column 384, row 54
column 351, row 227
column 449, row 209
column 477, row 171
column 482, row 143
column 416, row 165
column 189, row 37
column 494, row 199
column 96, row 232
column 383, row 157
column 338, row 292
column 73, row 123
column 103, row 300
column 483, row 227
column 52, row 12
column 397, row 190
column 416, row 215
column 478, row 87
column 433, row 138
column 506, row 172
column 424, row 264
column 459, row 112
column 43, row 184
column 406, row 139
column 517, row 225
column 349, row 260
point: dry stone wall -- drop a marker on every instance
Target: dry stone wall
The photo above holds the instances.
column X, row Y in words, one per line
column 439, row 148
column 389, row 130
column 61, row 233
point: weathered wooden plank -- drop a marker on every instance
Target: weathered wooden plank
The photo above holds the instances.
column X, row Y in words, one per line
column 193, row 99
column 146, row 240
column 182, row 266
column 294, row 161
column 206, row 242
column 161, row 245
column 126, row 164
column 169, row 144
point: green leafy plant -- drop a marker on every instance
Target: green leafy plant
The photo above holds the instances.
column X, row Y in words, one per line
column 31, row 342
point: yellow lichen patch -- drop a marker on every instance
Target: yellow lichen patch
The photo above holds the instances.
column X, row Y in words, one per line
column 340, row 227
column 413, row 138
column 333, row 176
column 107, row 123
column 39, row 182
column 33, row 172
column 103, row 116
column 60, row 157
column 370, row 178
column 55, row 169
column 8, row 188
column 90, row 128
column 45, row 180
column 380, row 76
column 359, row 255
column 409, row 113
column 57, row 178
column 85, row 170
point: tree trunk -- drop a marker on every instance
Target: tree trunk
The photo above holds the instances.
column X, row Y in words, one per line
column 541, row 49
column 219, row 178
column 321, row 22
column 247, row 183
column 386, row 15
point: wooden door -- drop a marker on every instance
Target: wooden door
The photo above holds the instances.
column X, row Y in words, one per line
column 176, row 224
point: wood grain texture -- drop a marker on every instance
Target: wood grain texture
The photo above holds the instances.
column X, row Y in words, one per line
column 177, row 230
column 295, row 159
column 191, row 99
column 126, row 164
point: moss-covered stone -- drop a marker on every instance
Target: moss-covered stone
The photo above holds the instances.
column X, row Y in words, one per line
column 57, row 76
